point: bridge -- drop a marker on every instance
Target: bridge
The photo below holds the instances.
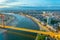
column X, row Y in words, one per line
column 48, row 32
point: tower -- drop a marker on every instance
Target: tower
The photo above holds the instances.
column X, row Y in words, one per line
column 49, row 20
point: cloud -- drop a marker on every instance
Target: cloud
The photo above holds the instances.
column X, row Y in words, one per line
column 2, row 1
column 5, row 6
column 40, row 3
column 13, row 3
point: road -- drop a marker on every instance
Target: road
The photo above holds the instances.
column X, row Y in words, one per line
column 47, row 28
column 39, row 23
column 50, row 33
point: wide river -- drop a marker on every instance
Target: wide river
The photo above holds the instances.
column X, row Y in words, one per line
column 21, row 22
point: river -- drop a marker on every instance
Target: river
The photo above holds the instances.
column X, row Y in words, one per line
column 21, row 22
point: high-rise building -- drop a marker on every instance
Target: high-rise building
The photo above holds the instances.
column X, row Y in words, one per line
column 49, row 19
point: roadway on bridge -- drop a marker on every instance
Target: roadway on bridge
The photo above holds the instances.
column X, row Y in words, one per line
column 50, row 33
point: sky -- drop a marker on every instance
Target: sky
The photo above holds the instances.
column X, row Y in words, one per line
column 34, row 3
